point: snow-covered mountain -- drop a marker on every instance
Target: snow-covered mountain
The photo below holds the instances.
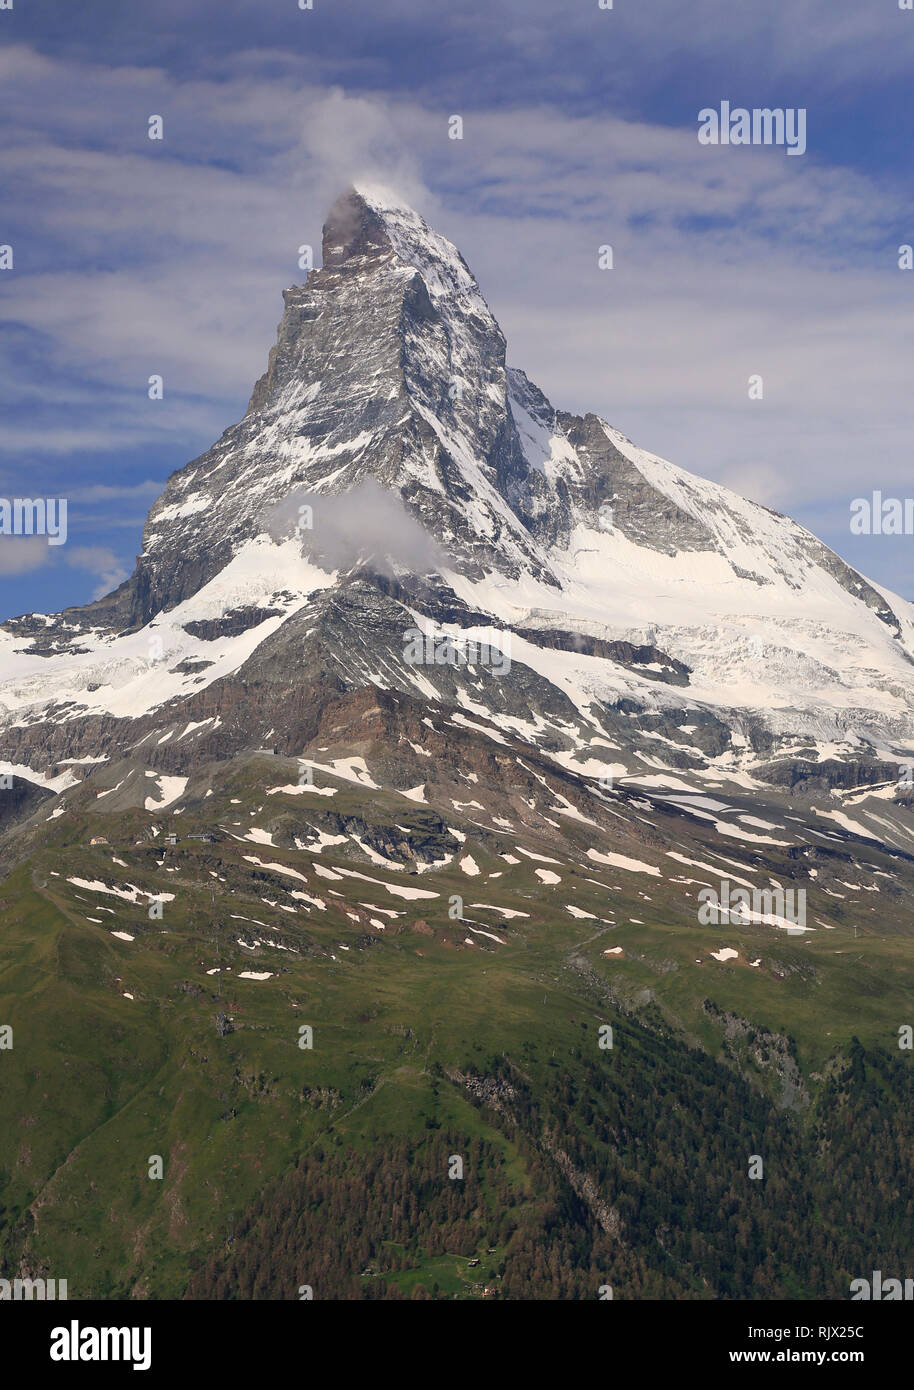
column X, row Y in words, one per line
column 452, row 731
column 391, row 472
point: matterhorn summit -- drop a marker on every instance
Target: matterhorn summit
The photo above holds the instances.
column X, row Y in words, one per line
column 581, row 598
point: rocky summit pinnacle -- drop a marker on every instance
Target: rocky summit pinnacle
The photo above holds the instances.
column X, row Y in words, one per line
column 392, row 470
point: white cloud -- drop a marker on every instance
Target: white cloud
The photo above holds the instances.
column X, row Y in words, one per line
column 102, row 492
column 101, row 562
column 21, row 555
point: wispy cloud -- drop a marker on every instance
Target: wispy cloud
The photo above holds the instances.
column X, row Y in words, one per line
column 22, row 554
column 103, row 492
column 100, row 562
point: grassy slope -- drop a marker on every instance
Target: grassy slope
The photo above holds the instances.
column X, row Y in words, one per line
column 97, row 1082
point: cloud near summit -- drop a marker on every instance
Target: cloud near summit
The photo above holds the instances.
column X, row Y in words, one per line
column 366, row 525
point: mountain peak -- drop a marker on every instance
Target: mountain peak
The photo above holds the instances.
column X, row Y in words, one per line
column 388, row 372
column 369, row 220
column 354, row 227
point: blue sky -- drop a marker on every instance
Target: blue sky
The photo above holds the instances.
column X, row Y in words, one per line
column 134, row 257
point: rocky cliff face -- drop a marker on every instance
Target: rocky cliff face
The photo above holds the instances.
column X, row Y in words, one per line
column 388, row 365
